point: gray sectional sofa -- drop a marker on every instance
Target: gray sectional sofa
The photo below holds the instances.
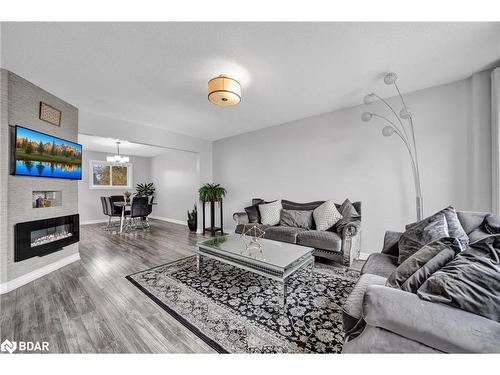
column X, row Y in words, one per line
column 381, row 319
column 329, row 244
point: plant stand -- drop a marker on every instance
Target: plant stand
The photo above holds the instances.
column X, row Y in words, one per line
column 212, row 229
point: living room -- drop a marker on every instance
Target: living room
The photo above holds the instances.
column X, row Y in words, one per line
column 202, row 187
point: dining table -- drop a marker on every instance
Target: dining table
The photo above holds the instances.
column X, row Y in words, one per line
column 124, row 206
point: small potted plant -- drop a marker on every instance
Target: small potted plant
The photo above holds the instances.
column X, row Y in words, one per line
column 127, row 196
column 193, row 219
column 211, row 193
column 145, row 189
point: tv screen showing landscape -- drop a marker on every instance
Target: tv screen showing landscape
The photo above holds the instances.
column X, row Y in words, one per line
column 42, row 155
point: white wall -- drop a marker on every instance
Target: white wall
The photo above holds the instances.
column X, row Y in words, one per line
column 89, row 207
column 336, row 155
column 176, row 177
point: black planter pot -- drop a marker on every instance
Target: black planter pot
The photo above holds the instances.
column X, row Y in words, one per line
column 192, row 225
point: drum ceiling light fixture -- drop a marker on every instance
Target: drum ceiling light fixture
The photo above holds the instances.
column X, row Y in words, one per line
column 224, row 90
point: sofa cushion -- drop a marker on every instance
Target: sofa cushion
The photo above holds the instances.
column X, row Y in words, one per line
column 380, row 264
column 244, row 227
column 283, row 234
column 296, row 218
column 270, row 213
column 324, row 240
column 348, row 213
column 454, row 226
column 289, row 205
column 419, row 234
column 326, row 215
column 471, row 281
column 352, row 308
column 253, row 213
column 412, row 273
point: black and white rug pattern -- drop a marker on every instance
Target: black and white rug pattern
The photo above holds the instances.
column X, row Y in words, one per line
column 236, row 311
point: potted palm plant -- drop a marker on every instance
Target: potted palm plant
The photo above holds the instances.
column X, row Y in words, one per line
column 211, row 193
column 145, row 189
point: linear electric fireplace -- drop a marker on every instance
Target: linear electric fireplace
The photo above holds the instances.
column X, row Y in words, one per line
column 42, row 237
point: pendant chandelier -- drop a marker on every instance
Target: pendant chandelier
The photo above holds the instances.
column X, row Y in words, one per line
column 119, row 159
column 224, row 91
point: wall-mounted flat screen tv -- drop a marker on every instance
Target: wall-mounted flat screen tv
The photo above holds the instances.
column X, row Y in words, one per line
column 41, row 155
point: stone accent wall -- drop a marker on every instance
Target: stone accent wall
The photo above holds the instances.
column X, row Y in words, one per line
column 23, row 100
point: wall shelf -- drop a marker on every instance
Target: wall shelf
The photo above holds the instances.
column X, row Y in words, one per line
column 46, row 198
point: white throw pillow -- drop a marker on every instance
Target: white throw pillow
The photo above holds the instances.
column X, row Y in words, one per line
column 326, row 215
column 270, row 213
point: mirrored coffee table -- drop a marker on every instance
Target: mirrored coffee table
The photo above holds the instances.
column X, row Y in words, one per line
column 275, row 260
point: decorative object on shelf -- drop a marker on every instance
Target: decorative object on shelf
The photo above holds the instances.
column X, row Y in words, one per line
column 251, row 238
column 43, row 199
column 50, row 114
column 193, row 219
column 119, row 159
column 212, row 193
column 145, row 189
column 406, row 133
column 224, row 91
column 127, row 196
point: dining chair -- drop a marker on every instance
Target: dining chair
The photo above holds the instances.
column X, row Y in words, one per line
column 108, row 210
column 139, row 210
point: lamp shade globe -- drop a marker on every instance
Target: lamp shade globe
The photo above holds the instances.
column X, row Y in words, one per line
column 369, row 98
column 390, row 78
column 387, row 131
column 367, row 116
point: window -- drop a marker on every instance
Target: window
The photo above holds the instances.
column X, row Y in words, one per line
column 105, row 175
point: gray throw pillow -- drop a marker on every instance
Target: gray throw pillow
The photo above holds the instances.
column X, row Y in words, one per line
column 455, row 229
column 348, row 213
column 492, row 224
column 471, row 281
column 412, row 273
column 295, row 218
column 420, row 234
column 253, row 214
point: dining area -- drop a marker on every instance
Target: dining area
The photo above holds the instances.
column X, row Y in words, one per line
column 127, row 214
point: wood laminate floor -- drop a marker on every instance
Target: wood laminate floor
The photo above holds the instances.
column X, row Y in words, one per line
column 89, row 306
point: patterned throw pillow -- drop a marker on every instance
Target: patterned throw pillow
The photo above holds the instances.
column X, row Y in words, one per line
column 326, row 215
column 420, row 234
column 270, row 213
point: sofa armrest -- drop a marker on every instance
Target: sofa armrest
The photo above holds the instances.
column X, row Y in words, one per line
column 391, row 240
column 351, row 242
column 433, row 324
column 351, row 229
column 240, row 218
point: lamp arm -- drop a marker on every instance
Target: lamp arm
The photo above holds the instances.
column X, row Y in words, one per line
column 410, row 121
column 394, row 112
column 416, row 178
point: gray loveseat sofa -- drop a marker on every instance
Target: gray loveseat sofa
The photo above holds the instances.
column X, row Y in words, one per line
column 328, row 244
column 396, row 321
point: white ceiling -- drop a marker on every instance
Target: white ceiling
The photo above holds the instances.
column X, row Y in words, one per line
column 156, row 73
column 108, row 145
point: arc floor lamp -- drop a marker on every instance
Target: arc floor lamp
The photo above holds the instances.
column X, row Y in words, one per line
column 406, row 133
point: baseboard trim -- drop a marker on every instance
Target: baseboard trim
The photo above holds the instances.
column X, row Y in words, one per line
column 175, row 221
column 363, row 256
column 33, row 275
column 88, row 222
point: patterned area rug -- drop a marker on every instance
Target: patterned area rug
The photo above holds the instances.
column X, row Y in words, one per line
column 235, row 311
